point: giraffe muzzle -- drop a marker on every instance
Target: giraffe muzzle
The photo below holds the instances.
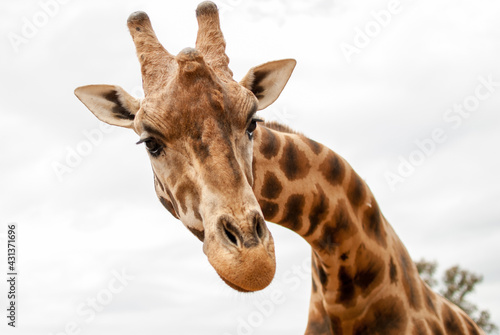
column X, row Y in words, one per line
column 242, row 252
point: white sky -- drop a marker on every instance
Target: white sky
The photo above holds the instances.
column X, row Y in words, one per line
column 104, row 215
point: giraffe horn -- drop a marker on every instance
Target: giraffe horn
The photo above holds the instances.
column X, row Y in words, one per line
column 191, row 62
column 210, row 40
column 154, row 58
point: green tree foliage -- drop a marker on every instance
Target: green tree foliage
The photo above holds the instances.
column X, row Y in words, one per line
column 458, row 283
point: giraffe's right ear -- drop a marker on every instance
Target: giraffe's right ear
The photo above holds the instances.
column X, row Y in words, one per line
column 110, row 103
column 266, row 81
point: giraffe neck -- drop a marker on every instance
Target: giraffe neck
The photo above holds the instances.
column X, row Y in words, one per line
column 362, row 275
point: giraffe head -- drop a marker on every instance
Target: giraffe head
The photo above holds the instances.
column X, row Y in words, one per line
column 197, row 124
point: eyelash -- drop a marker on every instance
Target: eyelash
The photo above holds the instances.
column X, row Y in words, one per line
column 152, row 146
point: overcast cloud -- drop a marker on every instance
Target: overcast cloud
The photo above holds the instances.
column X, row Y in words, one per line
column 101, row 224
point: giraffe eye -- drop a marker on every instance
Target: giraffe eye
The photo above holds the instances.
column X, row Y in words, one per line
column 153, row 146
column 251, row 127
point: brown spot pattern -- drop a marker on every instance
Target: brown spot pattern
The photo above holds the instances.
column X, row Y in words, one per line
column 451, row 321
column 272, row 187
column 373, row 224
column 321, row 324
column 419, row 327
column 471, row 326
column 269, row 209
column 336, row 325
column 270, row 144
column 346, row 291
column 393, row 272
column 429, row 300
column 367, row 275
column 323, row 278
column 434, row 327
column 185, row 189
column 410, row 283
column 319, row 210
column 292, row 215
column 385, row 317
column 356, row 190
column 337, row 230
column 294, row 162
column 333, row 169
column 315, row 146
column 369, row 270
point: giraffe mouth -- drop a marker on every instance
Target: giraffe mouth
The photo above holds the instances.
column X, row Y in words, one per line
column 234, row 286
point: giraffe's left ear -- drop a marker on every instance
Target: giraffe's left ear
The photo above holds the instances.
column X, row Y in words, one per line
column 266, row 81
column 110, row 103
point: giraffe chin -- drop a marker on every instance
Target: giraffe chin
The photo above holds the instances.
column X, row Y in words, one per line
column 256, row 276
column 234, row 286
column 245, row 275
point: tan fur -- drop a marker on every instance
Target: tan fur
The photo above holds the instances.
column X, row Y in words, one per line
column 197, row 125
column 354, row 248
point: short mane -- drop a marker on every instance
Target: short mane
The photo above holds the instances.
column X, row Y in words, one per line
column 280, row 127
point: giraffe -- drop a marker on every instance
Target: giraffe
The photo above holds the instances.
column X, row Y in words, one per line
column 223, row 172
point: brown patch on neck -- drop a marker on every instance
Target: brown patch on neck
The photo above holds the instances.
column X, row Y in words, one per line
column 435, row 327
column 337, row 230
column 315, row 146
column 370, row 270
column 356, row 191
column 322, row 323
column 410, row 279
column 333, row 169
column 292, row 215
column 451, row 321
column 272, row 187
column 319, row 210
column 360, row 279
column 429, row 300
column 471, row 326
column 419, row 327
column 386, row 316
column 294, row 162
column 373, row 224
column 393, row 272
column 269, row 209
column 270, row 144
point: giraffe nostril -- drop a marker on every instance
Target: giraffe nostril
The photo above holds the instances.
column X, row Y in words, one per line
column 259, row 229
column 230, row 236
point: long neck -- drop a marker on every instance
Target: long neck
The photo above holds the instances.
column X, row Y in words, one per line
column 361, row 272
